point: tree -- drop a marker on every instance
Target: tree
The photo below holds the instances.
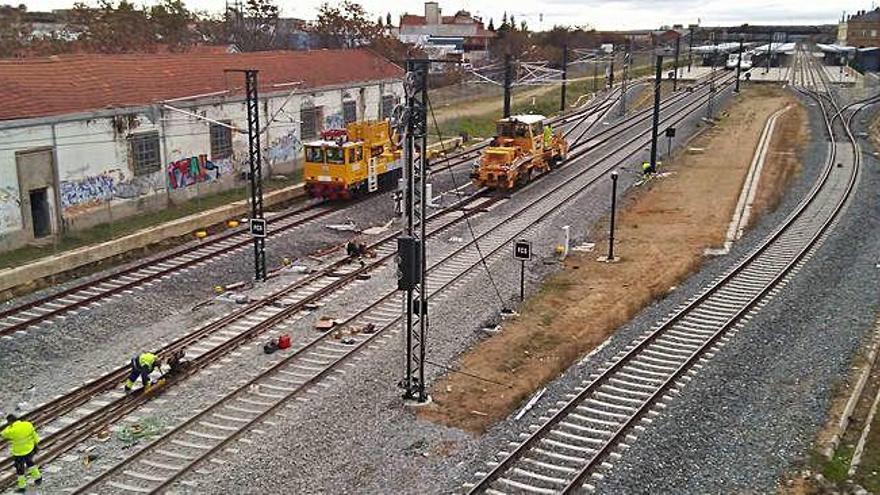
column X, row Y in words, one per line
column 345, row 26
column 253, row 28
column 491, row 25
column 15, row 32
column 113, row 29
column 388, row 20
column 171, row 21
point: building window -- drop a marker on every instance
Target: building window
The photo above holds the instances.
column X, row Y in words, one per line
column 221, row 141
column 145, row 152
column 349, row 111
column 388, row 102
column 310, row 122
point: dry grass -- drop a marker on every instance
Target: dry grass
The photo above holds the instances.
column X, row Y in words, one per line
column 663, row 229
column 783, row 161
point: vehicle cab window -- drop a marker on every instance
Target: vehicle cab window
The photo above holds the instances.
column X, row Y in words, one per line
column 335, row 155
column 314, row 154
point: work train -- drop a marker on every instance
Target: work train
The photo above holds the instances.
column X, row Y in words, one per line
column 352, row 162
column 733, row 59
column 524, row 146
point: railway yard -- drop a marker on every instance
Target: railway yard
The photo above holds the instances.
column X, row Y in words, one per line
column 728, row 347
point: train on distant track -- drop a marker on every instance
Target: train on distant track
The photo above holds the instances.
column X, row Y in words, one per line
column 524, row 146
column 352, row 162
column 733, row 59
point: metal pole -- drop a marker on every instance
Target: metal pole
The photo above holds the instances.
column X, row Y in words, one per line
column 675, row 64
column 522, row 280
column 256, row 175
column 658, row 78
column 564, row 77
column 690, row 49
column 507, row 82
column 613, row 209
column 711, row 104
column 769, row 53
column 611, row 73
column 626, row 61
column 739, row 64
column 595, row 75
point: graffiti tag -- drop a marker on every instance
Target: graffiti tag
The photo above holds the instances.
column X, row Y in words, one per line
column 189, row 171
column 284, row 148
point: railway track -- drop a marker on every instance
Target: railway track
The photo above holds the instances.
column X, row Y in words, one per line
column 168, row 459
column 72, row 417
column 82, row 297
column 580, row 439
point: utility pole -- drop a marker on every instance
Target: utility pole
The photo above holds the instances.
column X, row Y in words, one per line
column 690, row 49
column 255, row 160
column 739, row 64
column 508, row 80
column 412, row 263
column 611, row 72
column 675, row 64
column 769, row 53
column 595, row 74
column 658, row 78
column 564, row 77
column 710, row 106
column 626, row 61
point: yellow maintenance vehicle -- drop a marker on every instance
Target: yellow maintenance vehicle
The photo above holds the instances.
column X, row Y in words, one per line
column 524, row 147
column 352, row 162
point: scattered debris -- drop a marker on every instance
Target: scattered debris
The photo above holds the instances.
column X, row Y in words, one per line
column 456, row 239
column 479, row 413
column 299, row 269
column 491, row 330
column 313, row 305
column 586, row 247
column 144, row 429
column 378, row 230
column 348, row 341
column 326, row 323
column 531, row 403
column 368, row 328
column 103, row 435
column 348, row 226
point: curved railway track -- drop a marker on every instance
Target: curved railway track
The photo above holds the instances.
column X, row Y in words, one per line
column 578, row 442
column 168, row 459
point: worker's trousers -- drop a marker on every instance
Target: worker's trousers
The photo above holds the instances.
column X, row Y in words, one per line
column 25, row 463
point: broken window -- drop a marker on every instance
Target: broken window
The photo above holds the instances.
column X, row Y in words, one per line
column 221, row 141
column 144, row 150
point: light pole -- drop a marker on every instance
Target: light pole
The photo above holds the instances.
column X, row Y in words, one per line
column 613, row 208
column 564, row 76
column 658, row 78
column 739, row 64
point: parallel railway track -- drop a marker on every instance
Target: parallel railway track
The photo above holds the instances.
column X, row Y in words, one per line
column 170, row 458
column 575, row 445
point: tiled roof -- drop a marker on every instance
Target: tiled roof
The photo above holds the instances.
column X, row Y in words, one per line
column 67, row 84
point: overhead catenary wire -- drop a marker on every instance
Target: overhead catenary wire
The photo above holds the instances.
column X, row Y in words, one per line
column 458, row 193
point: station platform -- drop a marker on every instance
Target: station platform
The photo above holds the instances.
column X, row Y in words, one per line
column 758, row 74
column 842, row 75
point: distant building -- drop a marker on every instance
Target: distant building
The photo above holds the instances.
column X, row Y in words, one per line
column 461, row 35
column 860, row 30
column 89, row 138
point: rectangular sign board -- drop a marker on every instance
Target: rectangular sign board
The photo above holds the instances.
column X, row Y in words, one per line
column 522, row 250
column 258, row 227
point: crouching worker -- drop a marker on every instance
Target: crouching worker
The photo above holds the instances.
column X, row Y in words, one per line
column 23, row 440
column 141, row 366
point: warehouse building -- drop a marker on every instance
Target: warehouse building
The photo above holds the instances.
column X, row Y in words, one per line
column 91, row 138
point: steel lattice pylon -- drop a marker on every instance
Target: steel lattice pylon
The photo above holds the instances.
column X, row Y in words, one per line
column 415, row 307
column 256, row 174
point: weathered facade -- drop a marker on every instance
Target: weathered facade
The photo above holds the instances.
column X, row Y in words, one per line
column 67, row 161
column 861, row 30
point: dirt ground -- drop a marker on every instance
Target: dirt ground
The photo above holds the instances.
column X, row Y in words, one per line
column 578, row 308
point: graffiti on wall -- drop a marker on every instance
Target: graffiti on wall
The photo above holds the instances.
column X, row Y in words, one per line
column 10, row 208
column 195, row 169
column 84, row 193
column 284, row 149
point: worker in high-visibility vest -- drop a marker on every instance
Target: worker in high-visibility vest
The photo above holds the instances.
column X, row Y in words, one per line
column 141, row 366
column 548, row 136
column 647, row 169
column 23, row 440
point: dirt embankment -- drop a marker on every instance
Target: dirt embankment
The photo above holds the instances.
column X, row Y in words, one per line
column 663, row 229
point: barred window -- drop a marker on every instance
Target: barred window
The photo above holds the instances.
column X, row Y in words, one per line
column 349, row 111
column 221, row 141
column 388, row 102
column 310, row 122
column 144, row 152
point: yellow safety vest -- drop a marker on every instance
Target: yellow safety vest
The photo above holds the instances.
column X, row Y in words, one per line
column 22, row 437
column 146, row 360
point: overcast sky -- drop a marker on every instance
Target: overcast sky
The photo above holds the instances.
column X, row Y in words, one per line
column 614, row 14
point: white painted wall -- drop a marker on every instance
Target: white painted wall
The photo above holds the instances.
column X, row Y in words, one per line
column 95, row 174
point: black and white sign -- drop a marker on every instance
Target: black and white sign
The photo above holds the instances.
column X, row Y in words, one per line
column 258, row 227
column 670, row 132
column 522, row 250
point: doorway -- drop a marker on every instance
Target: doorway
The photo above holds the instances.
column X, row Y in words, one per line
column 40, row 216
